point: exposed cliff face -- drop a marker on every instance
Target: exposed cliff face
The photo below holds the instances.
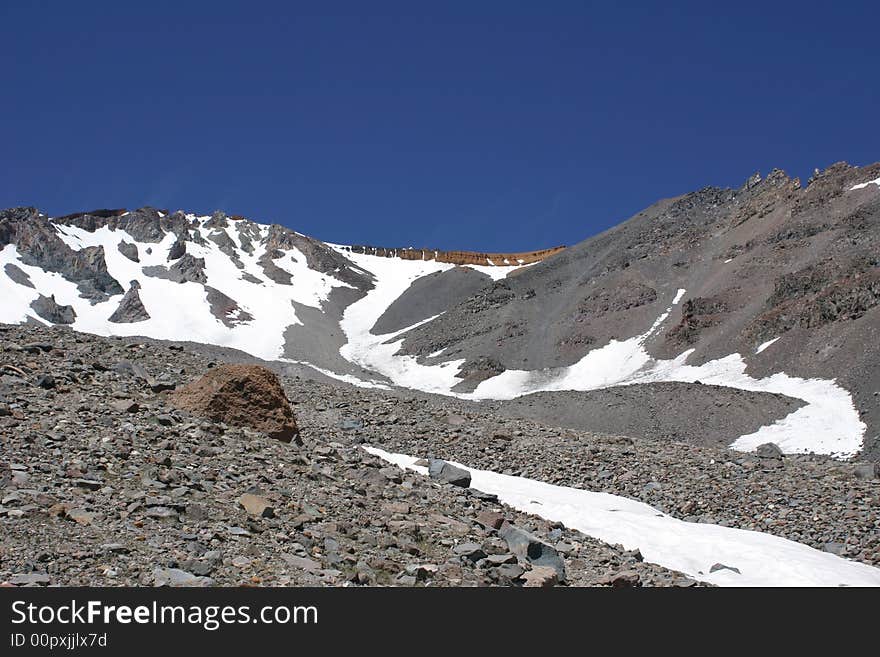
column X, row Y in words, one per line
column 460, row 257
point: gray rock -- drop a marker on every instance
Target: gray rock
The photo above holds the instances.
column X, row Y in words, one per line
column 470, row 551
column 131, row 309
column 721, row 566
column 48, row 309
column 187, row 269
column 532, row 549
column 129, row 250
column 768, row 451
column 449, row 473
column 30, row 579
column 177, row 250
column 302, row 563
column 176, row 577
column 45, row 381
column 18, row 275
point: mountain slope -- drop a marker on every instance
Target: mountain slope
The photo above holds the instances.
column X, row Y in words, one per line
column 771, row 288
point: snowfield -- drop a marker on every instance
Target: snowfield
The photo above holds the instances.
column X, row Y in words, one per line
column 178, row 311
column 691, row 548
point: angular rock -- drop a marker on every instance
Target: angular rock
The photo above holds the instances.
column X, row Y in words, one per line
column 470, row 551
column 176, row 577
column 302, row 563
column 48, row 309
column 768, row 451
column 30, row 579
column 256, row 506
column 45, row 381
column 131, row 309
column 125, row 405
column 540, row 577
column 177, row 250
column 80, row 516
column 449, row 473
column 721, row 566
column 129, row 250
column 490, row 519
column 226, row 309
column 18, row 275
column 532, row 549
column 243, row 396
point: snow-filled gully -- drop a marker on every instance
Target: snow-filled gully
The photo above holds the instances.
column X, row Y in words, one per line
column 827, row 424
column 690, row 548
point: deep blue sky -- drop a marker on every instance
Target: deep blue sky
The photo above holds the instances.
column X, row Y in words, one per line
column 478, row 125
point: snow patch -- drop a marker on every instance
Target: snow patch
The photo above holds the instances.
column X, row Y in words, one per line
column 764, row 345
column 690, row 548
column 865, row 184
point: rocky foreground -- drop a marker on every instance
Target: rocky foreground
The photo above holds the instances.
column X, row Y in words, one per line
column 106, row 480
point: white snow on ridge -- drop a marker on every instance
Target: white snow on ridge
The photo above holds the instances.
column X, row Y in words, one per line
column 177, row 310
column 865, row 184
column 691, row 548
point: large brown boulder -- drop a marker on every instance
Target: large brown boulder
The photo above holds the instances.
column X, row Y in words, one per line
column 242, row 396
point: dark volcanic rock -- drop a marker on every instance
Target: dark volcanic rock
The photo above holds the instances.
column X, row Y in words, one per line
column 242, row 396
column 131, row 308
column 48, row 309
column 129, row 250
column 177, row 249
column 226, row 309
column 188, row 268
column 18, row 275
column 272, row 271
column 39, row 245
column 449, row 473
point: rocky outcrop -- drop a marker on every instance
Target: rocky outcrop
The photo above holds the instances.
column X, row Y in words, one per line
column 18, row 275
column 429, row 296
column 226, row 309
column 459, row 257
column 39, row 245
column 697, row 314
column 272, row 271
column 48, row 309
column 131, row 308
column 129, row 250
column 319, row 256
column 242, row 396
column 177, row 250
column 187, row 269
column 144, row 225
